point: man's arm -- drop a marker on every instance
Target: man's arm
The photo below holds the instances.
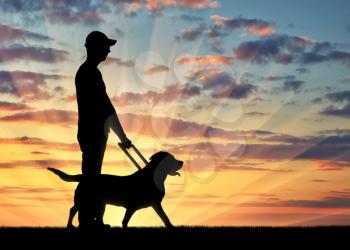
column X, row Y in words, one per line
column 115, row 125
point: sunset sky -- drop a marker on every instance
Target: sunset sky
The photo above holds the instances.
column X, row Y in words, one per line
column 252, row 95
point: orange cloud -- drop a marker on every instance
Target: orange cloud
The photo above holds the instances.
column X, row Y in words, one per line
column 205, row 60
column 11, row 106
column 157, row 69
column 261, row 31
column 51, row 116
column 256, row 26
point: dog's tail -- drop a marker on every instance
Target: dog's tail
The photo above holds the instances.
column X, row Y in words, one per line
column 64, row 176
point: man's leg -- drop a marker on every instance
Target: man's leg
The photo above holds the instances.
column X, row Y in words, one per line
column 92, row 158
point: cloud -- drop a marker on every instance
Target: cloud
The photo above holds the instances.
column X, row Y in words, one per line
column 25, row 84
column 170, row 94
column 255, row 26
column 302, row 70
column 331, row 110
column 292, row 85
column 334, row 132
column 11, row 34
column 50, row 116
column 220, row 83
column 32, row 53
column 327, row 202
column 326, row 165
column 256, row 114
column 319, row 180
column 205, row 60
column 284, row 49
column 156, row 7
column 279, row 78
column 44, row 144
column 339, row 96
column 191, row 33
column 157, row 69
column 57, row 163
column 66, row 16
column 119, row 62
column 61, row 11
column 11, row 106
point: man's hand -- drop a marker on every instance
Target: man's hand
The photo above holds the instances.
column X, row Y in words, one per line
column 126, row 143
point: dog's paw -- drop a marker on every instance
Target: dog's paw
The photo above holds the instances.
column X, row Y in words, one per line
column 70, row 226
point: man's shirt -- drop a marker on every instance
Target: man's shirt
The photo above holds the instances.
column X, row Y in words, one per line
column 94, row 106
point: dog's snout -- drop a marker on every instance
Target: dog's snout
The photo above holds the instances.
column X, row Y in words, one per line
column 181, row 162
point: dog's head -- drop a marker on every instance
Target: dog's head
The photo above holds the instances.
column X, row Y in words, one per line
column 166, row 162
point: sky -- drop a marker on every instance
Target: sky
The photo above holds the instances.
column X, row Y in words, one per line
column 253, row 96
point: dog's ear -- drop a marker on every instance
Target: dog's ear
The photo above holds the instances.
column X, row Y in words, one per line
column 158, row 156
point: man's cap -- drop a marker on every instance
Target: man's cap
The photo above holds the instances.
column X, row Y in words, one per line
column 97, row 39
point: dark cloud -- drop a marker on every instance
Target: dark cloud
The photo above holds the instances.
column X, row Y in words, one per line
column 191, row 33
column 284, row 49
column 239, row 91
column 20, row 6
column 11, row 34
column 11, row 106
column 68, row 17
column 27, row 85
column 335, row 111
column 340, row 96
column 56, row 11
column 292, row 85
column 302, row 70
column 219, row 83
column 31, row 53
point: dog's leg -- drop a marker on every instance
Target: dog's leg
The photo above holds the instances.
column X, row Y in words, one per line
column 128, row 213
column 72, row 213
column 99, row 216
column 159, row 210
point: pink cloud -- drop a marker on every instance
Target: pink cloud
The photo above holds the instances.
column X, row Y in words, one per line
column 27, row 85
column 205, row 60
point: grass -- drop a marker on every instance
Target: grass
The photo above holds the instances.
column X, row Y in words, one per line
column 180, row 236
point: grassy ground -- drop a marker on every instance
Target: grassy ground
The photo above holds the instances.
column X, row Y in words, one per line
column 230, row 237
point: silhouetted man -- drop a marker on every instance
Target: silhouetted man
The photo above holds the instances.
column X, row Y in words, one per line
column 96, row 112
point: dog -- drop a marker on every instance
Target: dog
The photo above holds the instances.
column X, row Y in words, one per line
column 144, row 188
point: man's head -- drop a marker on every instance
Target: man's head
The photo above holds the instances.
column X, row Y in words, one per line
column 97, row 45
